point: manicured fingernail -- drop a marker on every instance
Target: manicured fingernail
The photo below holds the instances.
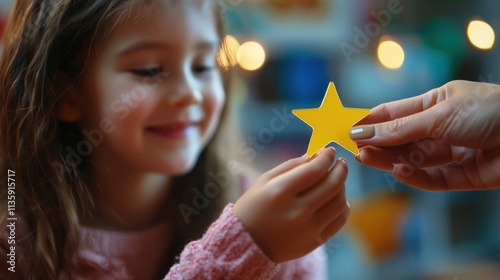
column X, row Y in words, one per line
column 362, row 132
column 348, row 205
column 343, row 160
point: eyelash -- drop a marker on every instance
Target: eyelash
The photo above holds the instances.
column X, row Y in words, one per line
column 151, row 72
column 147, row 72
column 202, row 69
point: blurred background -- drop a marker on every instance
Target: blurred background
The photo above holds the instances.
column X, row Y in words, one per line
column 285, row 52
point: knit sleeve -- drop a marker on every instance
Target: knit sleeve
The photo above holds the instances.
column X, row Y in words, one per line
column 312, row 266
column 226, row 251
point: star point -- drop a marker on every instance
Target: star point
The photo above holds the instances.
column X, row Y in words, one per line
column 331, row 122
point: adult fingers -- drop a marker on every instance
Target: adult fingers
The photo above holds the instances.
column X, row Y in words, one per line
column 401, row 130
column 422, row 154
column 436, row 114
column 401, row 108
column 445, row 178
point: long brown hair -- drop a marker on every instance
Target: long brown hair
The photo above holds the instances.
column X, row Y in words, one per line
column 41, row 37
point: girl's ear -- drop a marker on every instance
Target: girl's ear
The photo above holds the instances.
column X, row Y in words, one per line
column 67, row 108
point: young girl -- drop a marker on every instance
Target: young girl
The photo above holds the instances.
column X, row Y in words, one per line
column 110, row 118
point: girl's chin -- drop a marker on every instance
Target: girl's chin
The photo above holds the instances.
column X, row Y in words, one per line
column 173, row 164
column 178, row 168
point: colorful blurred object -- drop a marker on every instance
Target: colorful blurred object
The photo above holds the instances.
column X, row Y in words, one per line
column 447, row 36
column 378, row 221
column 286, row 5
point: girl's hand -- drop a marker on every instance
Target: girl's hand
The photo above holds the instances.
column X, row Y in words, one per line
column 297, row 206
column 445, row 139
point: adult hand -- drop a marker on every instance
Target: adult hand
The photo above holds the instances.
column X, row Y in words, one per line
column 445, row 139
column 297, row 206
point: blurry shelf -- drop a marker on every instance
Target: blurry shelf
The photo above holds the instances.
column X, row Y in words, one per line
column 275, row 115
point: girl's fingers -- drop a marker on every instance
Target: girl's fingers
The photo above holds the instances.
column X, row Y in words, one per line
column 284, row 167
column 335, row 226
column 331, row 210
column 308, row 174
column 328, row 188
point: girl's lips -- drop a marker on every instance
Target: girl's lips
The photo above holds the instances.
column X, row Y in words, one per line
column 175, row 130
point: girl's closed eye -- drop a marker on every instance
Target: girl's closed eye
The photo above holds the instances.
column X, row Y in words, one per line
column 147, row 72
column 203, row 68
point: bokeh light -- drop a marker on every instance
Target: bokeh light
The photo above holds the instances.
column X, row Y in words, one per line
column 480, row 34
column 228, row 51
column 251, row 56
column 390, row 54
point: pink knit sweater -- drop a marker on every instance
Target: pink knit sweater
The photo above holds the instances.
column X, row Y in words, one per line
column 226, row 251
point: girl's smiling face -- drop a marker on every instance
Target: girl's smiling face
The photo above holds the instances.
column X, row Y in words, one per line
column 154, row 90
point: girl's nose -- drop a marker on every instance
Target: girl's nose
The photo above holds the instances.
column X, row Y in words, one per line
column 185, row 91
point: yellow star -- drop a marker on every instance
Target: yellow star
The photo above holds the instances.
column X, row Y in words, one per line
column 331, row 122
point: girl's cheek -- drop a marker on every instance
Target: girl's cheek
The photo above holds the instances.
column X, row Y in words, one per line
column 220, row 102
column 221, row 96
column 214, row 106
